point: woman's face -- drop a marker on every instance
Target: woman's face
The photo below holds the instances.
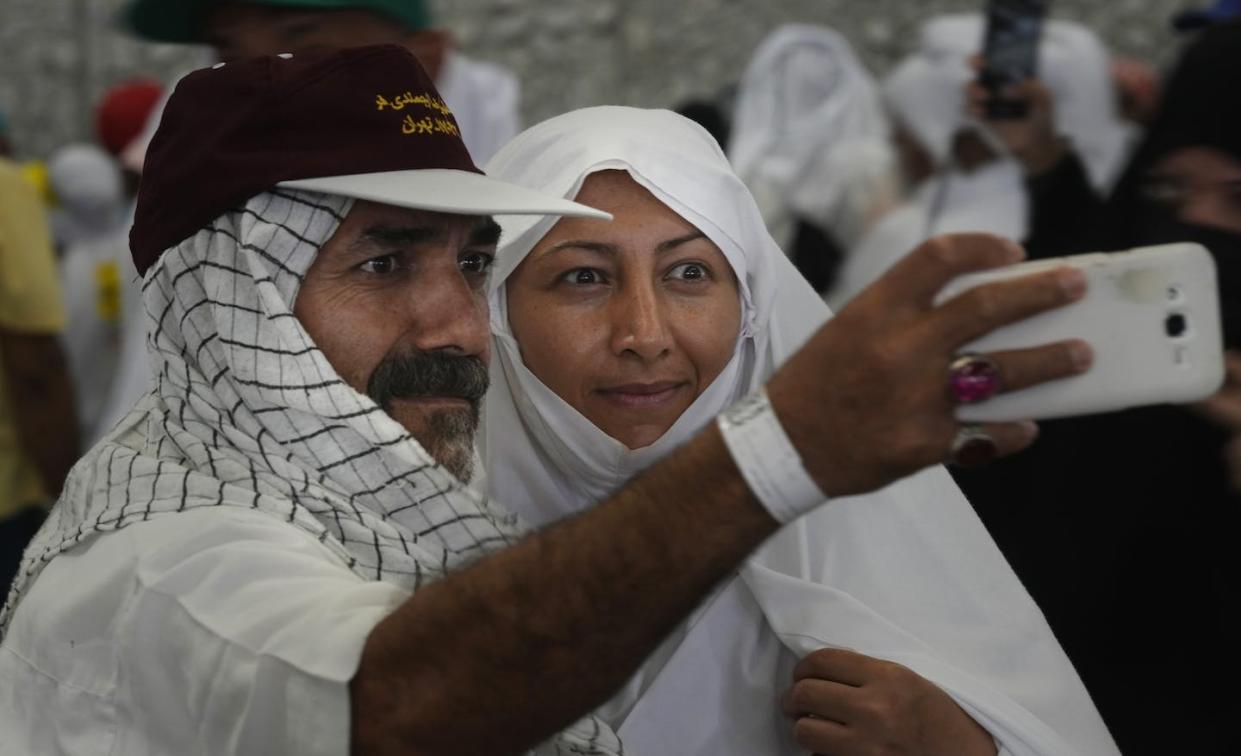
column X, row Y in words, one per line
column 627, row 321
column 1201, row 185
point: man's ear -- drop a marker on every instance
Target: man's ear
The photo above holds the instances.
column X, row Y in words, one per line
column 430, row 47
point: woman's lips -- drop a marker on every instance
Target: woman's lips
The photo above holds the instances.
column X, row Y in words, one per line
column 642, row 395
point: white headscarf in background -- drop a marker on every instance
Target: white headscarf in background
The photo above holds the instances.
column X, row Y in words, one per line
column 925, row 94
column 485, row 99
column 247, row 412
column 90, row 195
column 907, row 574
column 810, row 138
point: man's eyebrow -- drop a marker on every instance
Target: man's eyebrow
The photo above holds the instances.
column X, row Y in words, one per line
column 486, row 233
column 395, row 236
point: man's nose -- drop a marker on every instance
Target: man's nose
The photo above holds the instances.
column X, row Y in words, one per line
column 447, row 313
column 640, row 323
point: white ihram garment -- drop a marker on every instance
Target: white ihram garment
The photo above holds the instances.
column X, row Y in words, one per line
column 906, row 574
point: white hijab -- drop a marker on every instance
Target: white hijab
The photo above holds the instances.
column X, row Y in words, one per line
column 89, row 192
column 810, row 138
column 907, row 574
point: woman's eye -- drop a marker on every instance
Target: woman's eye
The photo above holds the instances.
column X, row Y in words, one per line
column 689, row 272
column 379, row 265
column 583, row 276
column 476, row 263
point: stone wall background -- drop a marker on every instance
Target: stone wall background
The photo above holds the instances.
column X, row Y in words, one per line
column 56, row 56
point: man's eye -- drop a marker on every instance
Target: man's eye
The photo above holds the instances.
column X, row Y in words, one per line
column 379, row 265
column 689, row 272
column 583, row 277
column 476, row 262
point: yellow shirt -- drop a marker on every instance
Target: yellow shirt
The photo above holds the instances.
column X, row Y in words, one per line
column 30, row 302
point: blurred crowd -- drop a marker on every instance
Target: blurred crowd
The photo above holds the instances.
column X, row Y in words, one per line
column 1119, row 525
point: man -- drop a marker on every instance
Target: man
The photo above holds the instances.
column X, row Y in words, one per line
column 35, row 393
column 485, row 97
column 264, row 559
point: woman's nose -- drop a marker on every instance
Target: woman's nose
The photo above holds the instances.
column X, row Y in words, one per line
column 640, row 323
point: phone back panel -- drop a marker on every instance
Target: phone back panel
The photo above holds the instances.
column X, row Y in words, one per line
column 1010, row 49
column 1152, row 317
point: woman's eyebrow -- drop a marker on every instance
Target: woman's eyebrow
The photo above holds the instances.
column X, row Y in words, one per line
column 589, row 246
column 664, row 246
column 604, row 247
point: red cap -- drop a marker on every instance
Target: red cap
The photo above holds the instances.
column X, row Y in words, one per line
column 235, row 130
column 123, row 112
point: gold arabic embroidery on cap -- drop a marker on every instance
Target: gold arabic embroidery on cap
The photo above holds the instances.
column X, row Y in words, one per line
column 443, row 123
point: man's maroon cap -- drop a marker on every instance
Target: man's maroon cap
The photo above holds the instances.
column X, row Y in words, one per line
column 312, row 121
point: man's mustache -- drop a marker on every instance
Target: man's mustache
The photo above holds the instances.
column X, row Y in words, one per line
column 411, row 375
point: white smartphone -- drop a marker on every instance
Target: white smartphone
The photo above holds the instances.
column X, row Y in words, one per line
column 1152, row 316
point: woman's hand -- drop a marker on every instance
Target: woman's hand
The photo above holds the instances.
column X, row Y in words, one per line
column 848, row 704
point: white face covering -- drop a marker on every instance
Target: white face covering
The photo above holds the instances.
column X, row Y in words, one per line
column 907, row 574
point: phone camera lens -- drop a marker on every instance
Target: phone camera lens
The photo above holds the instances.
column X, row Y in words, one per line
column 1176, row 325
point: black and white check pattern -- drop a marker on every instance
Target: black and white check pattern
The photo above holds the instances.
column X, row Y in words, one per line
column 246, row 412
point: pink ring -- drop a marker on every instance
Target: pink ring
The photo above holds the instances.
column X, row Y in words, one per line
column 973, row 378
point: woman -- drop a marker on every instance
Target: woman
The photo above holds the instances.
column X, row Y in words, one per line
column 1130, row 548
column 615, row 343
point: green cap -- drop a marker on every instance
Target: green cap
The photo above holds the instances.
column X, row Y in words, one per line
column 183, row 20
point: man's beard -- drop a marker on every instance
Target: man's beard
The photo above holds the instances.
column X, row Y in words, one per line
column 448, row 435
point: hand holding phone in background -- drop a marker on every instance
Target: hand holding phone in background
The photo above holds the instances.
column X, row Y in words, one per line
column 1007, row 94
column 1010, row 53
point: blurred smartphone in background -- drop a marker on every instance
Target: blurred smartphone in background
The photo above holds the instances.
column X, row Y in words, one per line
column 1150, row 314
column 1010, row 51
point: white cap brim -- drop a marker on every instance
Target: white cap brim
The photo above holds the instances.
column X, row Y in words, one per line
column 446, row 191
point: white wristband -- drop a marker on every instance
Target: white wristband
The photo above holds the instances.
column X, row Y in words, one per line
column 767, row 459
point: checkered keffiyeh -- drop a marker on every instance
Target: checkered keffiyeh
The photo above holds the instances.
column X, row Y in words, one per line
column 247, row 412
